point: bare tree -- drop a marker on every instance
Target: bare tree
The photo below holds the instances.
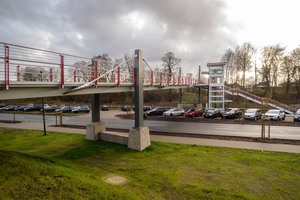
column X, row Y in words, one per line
column 33, row 73
column 83, row 71
column 129, row 65
column 106, row 64
column 296, row 68
column 171, row 64
column 272, row 57
column 229, row 58
column 286, row 67
column 244, row 55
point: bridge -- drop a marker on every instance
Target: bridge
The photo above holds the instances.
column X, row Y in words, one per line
column 27, row 72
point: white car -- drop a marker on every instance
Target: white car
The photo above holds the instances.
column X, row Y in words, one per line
column 275, row 115
column 174, row 112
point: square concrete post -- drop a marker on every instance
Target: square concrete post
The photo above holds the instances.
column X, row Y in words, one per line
column 199, row 90
column 139, row 137
column 95, row 127
column 179, row 106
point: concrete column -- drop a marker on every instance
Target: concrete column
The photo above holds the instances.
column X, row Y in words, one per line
column 208, row 97
column 139, row 137
column 95, row 127
column 95, row 108
column 179, row 103
column 199, row 89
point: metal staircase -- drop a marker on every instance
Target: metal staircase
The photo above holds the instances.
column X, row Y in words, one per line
column 260, row 100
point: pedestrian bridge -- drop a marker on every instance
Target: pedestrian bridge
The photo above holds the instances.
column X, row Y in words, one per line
column 27, row 72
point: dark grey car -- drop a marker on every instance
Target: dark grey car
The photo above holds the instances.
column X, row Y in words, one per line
column 254, row 114
column 213, row 113
column 232, row 113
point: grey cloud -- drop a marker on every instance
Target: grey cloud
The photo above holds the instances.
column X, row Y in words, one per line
column 193, row 30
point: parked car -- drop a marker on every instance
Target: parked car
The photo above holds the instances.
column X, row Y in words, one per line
column 212, row 113
column 50, row 108
column 275, row 115
column 9, row 108
column 3, row 108
column 145, row 108
column 20, row 108
column 84, row 109
column 174, row 112
column 194, row 112
column 76, row 106
column 254, row 114
column 232, row 113
column 156, row 111
column 46, row 105
column 65, row 109
column 2, row 105
column 124, row 108
column 297, row 116
column 33, row 108
column 104, row 107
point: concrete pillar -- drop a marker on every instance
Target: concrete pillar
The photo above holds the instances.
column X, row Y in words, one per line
column 179, row 103
column 139, row 137
column 208, row 97
column 95, row 127
column 199, row 90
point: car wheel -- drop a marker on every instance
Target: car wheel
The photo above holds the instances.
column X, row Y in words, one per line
column 171, row 115
column 193, row 115
column 152, row 114
column 255, row 118
column 283, row 117
column 277, row 119
column 222, row 117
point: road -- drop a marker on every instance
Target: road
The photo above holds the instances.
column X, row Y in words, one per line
column 279, row 132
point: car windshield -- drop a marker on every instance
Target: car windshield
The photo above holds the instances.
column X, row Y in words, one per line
column 173, row 109
column 250, row 111
column 228, row 110
column 192, row 110
column 273, row 112
column 210, row 111
column 105, row 106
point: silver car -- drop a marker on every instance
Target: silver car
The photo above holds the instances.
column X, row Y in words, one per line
column 254, row 114
column 275, row 115
column 174, row 112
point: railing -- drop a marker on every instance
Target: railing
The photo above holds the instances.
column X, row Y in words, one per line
column 260, row 100
column 22, row 63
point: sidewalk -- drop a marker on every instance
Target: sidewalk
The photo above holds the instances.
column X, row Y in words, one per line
column 181, row 140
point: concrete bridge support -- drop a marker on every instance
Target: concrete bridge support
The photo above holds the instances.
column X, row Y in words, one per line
column 199, row 105
column 139, row 137
column 179, row 106
column 95, row 127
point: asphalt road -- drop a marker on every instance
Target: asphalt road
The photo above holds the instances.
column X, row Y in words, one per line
column 280, row 132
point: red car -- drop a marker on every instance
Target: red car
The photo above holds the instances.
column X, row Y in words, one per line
column 194, row 112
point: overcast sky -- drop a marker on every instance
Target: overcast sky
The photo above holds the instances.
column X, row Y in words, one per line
column 197, row 31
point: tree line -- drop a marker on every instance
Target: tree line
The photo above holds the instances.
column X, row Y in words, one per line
column 277, row 66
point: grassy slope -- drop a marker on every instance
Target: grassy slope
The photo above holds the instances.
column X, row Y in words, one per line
column 68, row 166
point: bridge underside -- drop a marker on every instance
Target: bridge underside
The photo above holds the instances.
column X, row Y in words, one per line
column 31, row 89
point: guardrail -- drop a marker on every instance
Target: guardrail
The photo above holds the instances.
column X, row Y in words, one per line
column 260, row 100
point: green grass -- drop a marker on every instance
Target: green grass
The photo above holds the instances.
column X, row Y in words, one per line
column 66, row 166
